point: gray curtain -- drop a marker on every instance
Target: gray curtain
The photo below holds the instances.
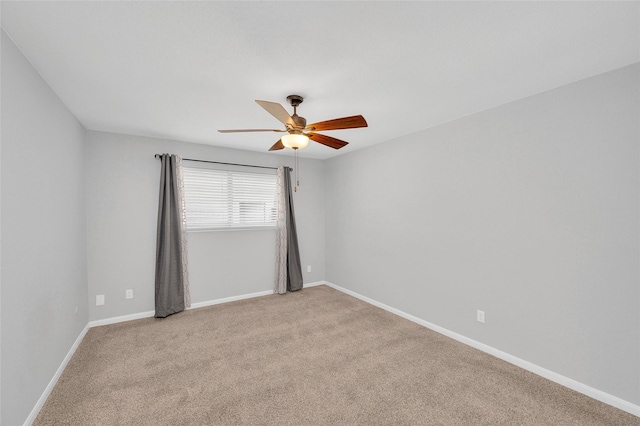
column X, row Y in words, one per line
column 288, row 273
column 294, row 268
column 288, row 276
column 172, row 293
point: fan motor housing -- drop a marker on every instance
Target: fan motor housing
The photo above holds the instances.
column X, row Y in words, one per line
column 301, row 122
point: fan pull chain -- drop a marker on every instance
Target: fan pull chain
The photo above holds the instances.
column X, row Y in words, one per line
column 295, row 188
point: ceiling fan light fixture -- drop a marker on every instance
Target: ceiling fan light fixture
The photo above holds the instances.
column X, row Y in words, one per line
column 295, row 141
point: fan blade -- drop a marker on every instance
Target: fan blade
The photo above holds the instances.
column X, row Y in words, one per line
column 352, row 122
column 277, row 111
column 250, row 130
column 327, row 140
column 277, row 146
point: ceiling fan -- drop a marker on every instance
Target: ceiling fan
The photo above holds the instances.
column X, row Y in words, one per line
column 298, row 132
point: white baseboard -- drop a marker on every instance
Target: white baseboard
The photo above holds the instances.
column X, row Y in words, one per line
column 123, row 318
column 316, row 283
column 54, row 379
column 230, row 299
column 149, row 314
column 540, row 371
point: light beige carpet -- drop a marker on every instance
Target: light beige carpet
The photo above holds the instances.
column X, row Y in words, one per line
column 314, row 357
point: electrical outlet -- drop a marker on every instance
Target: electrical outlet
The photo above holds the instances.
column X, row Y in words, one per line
column 129, row 294
column 309, row 268
column 100, row 300
column 480, row 316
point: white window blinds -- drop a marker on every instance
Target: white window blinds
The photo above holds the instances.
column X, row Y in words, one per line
column 228, row 199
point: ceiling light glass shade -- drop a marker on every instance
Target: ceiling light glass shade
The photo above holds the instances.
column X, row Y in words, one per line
column 295, row 141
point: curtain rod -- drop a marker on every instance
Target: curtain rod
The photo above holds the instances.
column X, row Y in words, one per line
column 220, row 162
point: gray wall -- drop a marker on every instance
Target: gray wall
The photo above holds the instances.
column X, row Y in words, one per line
column 528, row 211
column 43, row 276
column 122, row 207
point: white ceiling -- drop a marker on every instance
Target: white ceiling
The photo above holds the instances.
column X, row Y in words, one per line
column 182, row 70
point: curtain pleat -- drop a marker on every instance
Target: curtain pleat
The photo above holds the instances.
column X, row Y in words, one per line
column 280, row 280
column 171, row 267
column 183, row 233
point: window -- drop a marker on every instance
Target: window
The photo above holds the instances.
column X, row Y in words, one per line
column 229, row 199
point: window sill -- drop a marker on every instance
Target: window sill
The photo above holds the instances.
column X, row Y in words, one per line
column 235, row 228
